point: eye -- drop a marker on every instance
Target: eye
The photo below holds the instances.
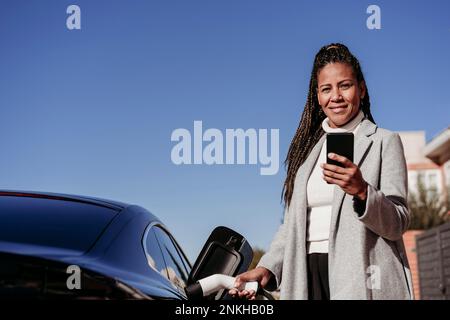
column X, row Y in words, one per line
column 346, row 85
column 325, row 90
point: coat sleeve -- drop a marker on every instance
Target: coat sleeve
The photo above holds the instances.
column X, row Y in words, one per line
column 273, row 259
column 385, row 211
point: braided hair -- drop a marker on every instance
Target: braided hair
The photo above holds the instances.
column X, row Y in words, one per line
column 310, row 130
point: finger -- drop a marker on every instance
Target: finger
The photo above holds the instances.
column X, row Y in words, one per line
column 347, row 163
column 243, row 293
column 334, row 181
column 334, row 168
column 248, row 296
column 232, row 292
column 335, row 175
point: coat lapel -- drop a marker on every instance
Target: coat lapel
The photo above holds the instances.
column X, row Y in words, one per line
column 306, row 169
column 362, row 144
column 303, row 174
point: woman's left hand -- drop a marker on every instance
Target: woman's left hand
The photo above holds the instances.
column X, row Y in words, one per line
column 348, row 178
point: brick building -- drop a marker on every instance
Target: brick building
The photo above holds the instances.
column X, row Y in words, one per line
column 431, row 162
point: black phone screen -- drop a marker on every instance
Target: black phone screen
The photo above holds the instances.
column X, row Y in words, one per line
column 340, row 143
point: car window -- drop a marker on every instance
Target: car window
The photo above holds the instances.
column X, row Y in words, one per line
column 154, row 254
column 51, row 222
column 177, row 267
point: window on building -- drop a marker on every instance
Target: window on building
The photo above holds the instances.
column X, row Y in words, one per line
column 432, row 181
column 447, row 173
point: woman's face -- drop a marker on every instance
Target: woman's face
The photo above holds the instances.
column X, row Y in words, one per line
column 339, row 93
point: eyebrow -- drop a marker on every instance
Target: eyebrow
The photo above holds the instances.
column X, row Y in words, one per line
column 327, row 84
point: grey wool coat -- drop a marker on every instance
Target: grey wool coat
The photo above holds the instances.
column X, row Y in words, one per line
column 366, row 257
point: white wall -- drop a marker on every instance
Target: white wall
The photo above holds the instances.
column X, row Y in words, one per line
column 447, row 172
column 432, row 178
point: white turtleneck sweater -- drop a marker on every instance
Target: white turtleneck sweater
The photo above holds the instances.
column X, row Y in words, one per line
column 320, row 194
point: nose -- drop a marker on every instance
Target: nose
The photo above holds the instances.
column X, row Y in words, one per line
column 335, row 95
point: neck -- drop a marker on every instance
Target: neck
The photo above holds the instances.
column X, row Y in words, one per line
column 347, row 127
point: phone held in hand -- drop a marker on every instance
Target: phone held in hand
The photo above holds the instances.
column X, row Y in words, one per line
column 340, row 143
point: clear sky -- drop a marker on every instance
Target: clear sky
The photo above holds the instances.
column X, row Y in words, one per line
column 91, row 111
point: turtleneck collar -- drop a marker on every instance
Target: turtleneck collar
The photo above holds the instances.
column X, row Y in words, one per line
column 351, row 126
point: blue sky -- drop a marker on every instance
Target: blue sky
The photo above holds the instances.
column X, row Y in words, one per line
column 91, row 111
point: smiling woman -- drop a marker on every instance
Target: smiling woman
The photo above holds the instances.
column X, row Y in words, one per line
column 341, row 237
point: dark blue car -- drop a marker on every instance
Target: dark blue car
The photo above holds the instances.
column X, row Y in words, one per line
column 75, row 247
column 118, row 251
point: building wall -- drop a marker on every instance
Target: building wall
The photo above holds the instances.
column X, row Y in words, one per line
column 435, row 175
column 409, row 238
column 446, row 171
column 432, row 179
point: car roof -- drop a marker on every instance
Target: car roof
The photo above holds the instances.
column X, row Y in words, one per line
column 120, row 214
column 115, row 205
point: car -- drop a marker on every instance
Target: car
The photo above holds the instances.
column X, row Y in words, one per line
column 77, row 247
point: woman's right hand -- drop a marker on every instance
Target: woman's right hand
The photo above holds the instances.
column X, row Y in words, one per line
column 260, row 274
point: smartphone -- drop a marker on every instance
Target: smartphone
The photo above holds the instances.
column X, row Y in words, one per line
column 340, row 143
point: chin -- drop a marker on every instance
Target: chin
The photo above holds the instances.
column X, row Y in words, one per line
column 340, row 120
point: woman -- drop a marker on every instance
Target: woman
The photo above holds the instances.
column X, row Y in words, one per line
column 342, row 232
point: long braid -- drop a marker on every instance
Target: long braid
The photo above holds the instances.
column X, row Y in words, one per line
column 310, row 130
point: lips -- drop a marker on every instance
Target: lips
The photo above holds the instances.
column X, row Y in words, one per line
column 338, row 109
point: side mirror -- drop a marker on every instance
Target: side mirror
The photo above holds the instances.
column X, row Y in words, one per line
column 225, row 252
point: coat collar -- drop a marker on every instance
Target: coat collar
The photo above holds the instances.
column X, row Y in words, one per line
column 362, row 142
